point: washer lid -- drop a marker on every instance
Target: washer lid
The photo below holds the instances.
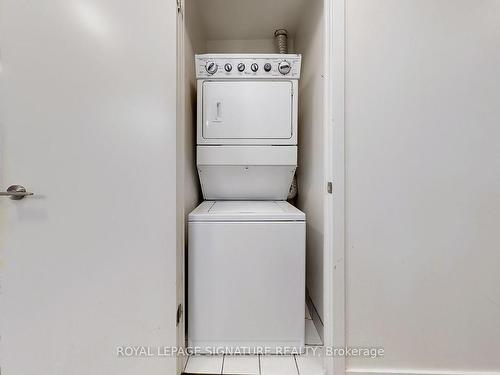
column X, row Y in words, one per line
column 246, row 211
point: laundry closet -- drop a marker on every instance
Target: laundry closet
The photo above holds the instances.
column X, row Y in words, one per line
column 246, row 30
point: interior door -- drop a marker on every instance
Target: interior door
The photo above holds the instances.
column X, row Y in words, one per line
column 87, row 264
column 247, row 109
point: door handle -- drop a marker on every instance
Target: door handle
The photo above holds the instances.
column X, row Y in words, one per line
column 218, row 111
column 15, row 192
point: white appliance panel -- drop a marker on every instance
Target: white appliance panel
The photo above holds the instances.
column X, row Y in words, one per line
column 223, row 61
column 247, row 109
column 246, row 284
column 246, row 155
column 246, row 172
column 246, row 211
column 254, row 182
column 256, row 116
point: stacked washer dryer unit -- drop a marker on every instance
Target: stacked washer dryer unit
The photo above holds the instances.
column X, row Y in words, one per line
column 246, row 252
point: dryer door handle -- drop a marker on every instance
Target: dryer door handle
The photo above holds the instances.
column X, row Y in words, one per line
column 218, row 111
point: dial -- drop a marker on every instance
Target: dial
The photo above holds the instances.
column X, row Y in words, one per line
column 267, row 67
column 228, row 67
column 241, row 67
column 211, row 67
column 284, row 67
column 254, row 67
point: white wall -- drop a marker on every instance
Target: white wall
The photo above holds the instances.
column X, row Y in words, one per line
column 194, row 43
column 423, row 184
column 248, row 20
column 188, row 187
column 245, row 46
column 310, row 172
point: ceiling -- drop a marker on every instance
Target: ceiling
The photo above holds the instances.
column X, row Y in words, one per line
column 247, row 19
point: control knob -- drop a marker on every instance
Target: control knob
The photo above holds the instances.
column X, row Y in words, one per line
column 267, row 67
column 284, row 67
column 254, row 67
column 228, row 67
column 211, row 67
column 241, row 67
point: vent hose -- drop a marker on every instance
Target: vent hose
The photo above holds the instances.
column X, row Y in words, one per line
column 281, row 36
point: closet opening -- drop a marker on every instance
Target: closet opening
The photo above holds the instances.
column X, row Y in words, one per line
column 265, row 27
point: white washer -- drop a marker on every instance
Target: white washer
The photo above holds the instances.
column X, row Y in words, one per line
column 247, row 124
column 246, row 275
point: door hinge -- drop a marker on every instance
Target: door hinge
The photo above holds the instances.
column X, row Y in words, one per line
column 329, row 187
column 179, row 6
column 179, row 314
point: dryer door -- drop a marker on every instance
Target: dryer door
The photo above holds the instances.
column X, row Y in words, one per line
column 247, row 110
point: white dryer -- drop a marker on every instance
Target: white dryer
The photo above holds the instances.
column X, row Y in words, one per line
column 247, row 124
column 246, row 276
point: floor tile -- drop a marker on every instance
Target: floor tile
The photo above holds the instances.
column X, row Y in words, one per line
column 241, row 364
column 278, row 365
column 310, row 364
column 312, row 335
column 204, row 364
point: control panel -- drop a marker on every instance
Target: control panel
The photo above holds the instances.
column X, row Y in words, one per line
column 235, row 66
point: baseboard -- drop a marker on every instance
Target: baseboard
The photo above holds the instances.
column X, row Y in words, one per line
column 315, row 317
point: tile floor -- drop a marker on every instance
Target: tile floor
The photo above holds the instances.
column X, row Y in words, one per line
column 307, row 364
